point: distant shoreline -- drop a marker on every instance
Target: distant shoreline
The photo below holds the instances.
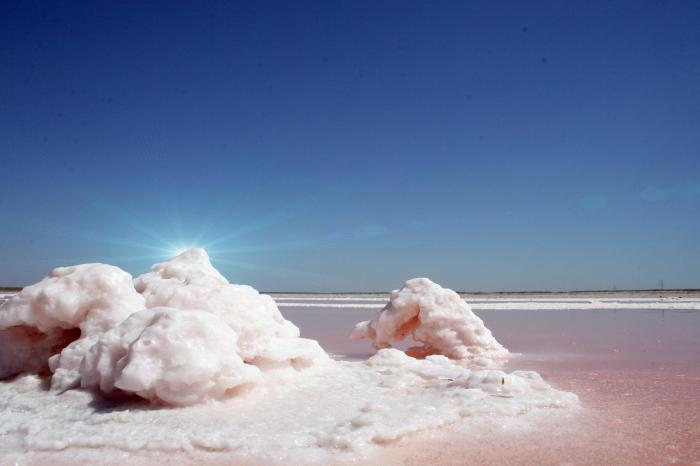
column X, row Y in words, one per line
column 666, row 293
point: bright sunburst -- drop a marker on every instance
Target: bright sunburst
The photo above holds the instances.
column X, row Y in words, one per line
column 146, row 244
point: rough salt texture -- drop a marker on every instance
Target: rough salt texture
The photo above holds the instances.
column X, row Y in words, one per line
column 434, row 316
column 212, row 338
column 25, row 349
column 91, row 298
column 168, row 355
column 265, row 338
column 337, row 412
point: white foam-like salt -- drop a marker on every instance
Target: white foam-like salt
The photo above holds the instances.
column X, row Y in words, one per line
column 189, row 281
column 91, row 298
column 213, row 336
column 178, row 357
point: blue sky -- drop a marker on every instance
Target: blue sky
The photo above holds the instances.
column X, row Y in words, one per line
column 352, row 145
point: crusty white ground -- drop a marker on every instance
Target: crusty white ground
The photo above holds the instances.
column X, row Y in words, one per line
column 344, row 410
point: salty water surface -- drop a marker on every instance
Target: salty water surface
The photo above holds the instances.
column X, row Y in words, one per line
column 637, row 373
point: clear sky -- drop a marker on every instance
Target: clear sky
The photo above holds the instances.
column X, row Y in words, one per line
column 352, row 145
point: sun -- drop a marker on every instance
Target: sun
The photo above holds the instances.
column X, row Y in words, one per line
column 177, row 250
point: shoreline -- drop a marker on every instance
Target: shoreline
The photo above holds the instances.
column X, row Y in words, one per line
column 619, row 301
column 477, row 295
column 474, row 295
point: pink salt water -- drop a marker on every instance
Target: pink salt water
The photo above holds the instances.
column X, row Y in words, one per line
column 637, row 373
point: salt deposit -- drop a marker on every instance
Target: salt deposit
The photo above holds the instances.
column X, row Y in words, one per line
column 434, row 316
column 212, row 337
column 250, row 387
column 341, row 411
column 189, row 281
column 91, row 298
column 513, row 304
column 25, row 349
column 170, row 355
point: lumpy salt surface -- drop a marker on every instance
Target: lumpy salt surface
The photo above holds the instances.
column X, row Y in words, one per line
column 180, row 334
column 179, row 361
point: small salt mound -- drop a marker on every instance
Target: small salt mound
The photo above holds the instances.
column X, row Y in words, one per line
column 89, row 297
column 265, row 338
column 168, row 355
column 434, row 316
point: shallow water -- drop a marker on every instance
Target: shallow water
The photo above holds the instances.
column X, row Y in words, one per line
column 637, row 373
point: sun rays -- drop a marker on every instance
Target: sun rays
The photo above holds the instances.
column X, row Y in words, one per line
column 143, row 243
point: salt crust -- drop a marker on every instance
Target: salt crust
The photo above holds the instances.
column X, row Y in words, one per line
column 202, row 339
column 91, row 298
column 434, row 316
column 340, row 411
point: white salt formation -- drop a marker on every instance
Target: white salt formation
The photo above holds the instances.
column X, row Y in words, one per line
column 25, row 349
column 169, row 355
column 210, row 339
column 265, row 338
column 73, row 303
column 434, row 316
column 254, row 391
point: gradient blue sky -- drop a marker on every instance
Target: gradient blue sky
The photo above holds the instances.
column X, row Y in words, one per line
column 353, row 145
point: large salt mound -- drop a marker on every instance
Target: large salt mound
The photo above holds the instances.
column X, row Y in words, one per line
column 434, row 316
column 169, row 355
column 265, row 338
column 213, row 336
column 80, row 302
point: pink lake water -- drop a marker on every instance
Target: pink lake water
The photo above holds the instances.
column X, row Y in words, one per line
column 637, row 373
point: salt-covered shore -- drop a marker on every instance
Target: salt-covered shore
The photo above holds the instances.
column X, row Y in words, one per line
column 539, row 304
column 181, row 362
